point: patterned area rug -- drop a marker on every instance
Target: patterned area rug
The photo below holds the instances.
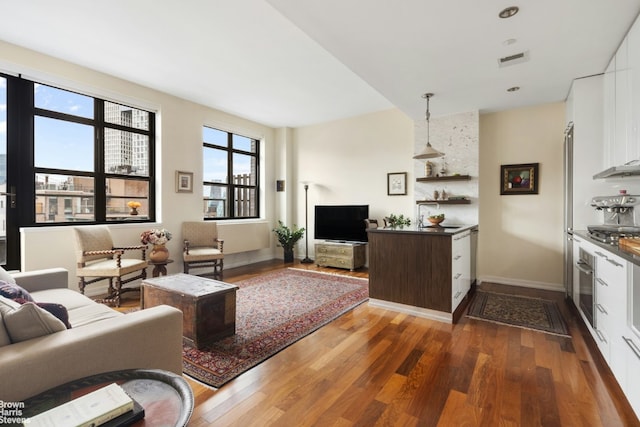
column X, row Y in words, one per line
column 524, row 312
column 272, row 312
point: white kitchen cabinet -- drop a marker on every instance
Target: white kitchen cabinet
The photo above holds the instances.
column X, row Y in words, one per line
column 611, row 282
column 617, row 341
column 621, row 117
column 585, row 110
column 460, row 267
column 631, row 385
column 609, row 114
column 633, row 81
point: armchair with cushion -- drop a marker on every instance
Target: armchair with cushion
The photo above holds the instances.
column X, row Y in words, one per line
column 99, row 259
column 202, row 248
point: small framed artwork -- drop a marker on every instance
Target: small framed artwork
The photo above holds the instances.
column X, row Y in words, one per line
column 519, row 179
column 184, row 182
column 397, row 184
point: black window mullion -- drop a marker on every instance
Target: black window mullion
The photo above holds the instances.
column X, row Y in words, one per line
column 62, row 116
column 100, row 197
column 231, row 189
column 152, row 167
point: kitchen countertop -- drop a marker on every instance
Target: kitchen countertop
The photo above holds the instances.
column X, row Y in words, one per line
column 445, row 229
column 614, row 249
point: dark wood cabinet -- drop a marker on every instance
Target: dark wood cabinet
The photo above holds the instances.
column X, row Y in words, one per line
column 412, row 268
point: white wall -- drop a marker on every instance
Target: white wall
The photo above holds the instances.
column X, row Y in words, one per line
column 347, row 161
column 521, row 236
column 179, row 147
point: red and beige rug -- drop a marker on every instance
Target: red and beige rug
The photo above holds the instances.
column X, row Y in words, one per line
column 272, row 312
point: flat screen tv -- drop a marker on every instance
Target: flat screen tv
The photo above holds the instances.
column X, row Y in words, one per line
column 342, row 223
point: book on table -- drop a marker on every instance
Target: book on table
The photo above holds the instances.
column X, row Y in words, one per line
column 92, row 409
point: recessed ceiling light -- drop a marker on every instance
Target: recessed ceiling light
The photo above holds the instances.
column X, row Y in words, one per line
column 508, row 12
column 513, row 89
column 509, row 42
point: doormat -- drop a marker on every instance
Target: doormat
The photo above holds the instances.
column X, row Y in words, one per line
column 273, row 311
column 523, row 312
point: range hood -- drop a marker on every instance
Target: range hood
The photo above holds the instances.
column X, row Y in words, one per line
column 628, row 169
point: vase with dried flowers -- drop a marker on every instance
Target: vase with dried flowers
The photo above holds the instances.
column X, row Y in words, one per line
column 134, row 207
column 158, row 237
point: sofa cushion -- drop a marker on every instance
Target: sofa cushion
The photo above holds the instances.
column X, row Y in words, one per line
column 13, row 291
column 29, row 321
column 70, row 298
column 87, row 315
column 82, row 310
column 58, row 310
column 6, row 277
column 5, row 339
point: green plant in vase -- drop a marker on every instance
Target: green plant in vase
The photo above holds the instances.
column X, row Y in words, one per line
column 288, row 237
column 397, row 221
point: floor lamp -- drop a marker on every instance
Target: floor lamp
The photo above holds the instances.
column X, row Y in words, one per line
column 306, row 259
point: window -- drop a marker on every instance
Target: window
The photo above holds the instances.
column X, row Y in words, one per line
column 91, row 157
column 230, row 170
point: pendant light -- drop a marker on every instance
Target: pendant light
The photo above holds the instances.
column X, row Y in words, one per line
column 429, row 152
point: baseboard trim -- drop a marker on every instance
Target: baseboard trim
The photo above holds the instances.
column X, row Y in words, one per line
column 412, row 310
column 523, row 283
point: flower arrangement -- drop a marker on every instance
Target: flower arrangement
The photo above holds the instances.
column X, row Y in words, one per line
column 155, row 236
column 134, row 205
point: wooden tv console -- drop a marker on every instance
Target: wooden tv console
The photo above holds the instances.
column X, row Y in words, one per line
column 341, row 255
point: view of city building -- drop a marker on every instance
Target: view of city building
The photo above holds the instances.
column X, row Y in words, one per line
column 68, row 198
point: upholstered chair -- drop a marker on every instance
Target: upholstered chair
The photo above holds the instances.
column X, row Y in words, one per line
column 202, row 248
column 98, row 259
column 371, row 223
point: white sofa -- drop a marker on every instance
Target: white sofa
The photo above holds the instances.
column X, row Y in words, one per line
column 100, row 340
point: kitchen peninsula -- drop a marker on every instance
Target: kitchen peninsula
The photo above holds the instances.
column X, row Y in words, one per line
column 423, row 271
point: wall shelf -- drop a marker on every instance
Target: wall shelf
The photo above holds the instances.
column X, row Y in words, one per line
column 444, row 202
column 444, row 178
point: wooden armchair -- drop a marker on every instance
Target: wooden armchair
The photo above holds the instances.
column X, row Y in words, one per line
column 98, row 259
column 202, row 248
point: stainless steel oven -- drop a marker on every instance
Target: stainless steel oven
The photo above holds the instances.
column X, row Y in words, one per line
column 587, row 285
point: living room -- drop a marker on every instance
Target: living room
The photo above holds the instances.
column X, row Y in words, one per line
column 345, row 161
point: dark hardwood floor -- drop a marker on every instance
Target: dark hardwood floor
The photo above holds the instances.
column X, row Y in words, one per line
column 374, row 367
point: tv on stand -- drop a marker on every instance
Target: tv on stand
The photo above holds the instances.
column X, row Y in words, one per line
column 341, row 223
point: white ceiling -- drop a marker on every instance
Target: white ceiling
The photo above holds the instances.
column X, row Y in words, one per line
column 300, row 62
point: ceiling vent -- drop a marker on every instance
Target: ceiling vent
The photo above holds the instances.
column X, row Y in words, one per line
column 514, row 59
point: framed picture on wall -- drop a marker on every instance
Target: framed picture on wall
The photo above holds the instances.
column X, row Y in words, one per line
column 184, row 182
column 519, row 179
column 397, row 184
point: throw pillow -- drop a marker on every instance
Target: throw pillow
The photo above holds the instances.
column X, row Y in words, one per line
column 58, row 310
column 29, row 321
column 13, row 291
column 6, row 277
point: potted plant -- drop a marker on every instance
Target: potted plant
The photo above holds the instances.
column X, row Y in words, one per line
column 287, row 238
column 397, row 221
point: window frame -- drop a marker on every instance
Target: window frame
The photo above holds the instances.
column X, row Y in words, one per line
column 231, row 187
column 23, row 110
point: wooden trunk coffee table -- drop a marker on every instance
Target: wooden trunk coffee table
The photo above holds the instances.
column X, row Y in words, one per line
column 208, row 306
